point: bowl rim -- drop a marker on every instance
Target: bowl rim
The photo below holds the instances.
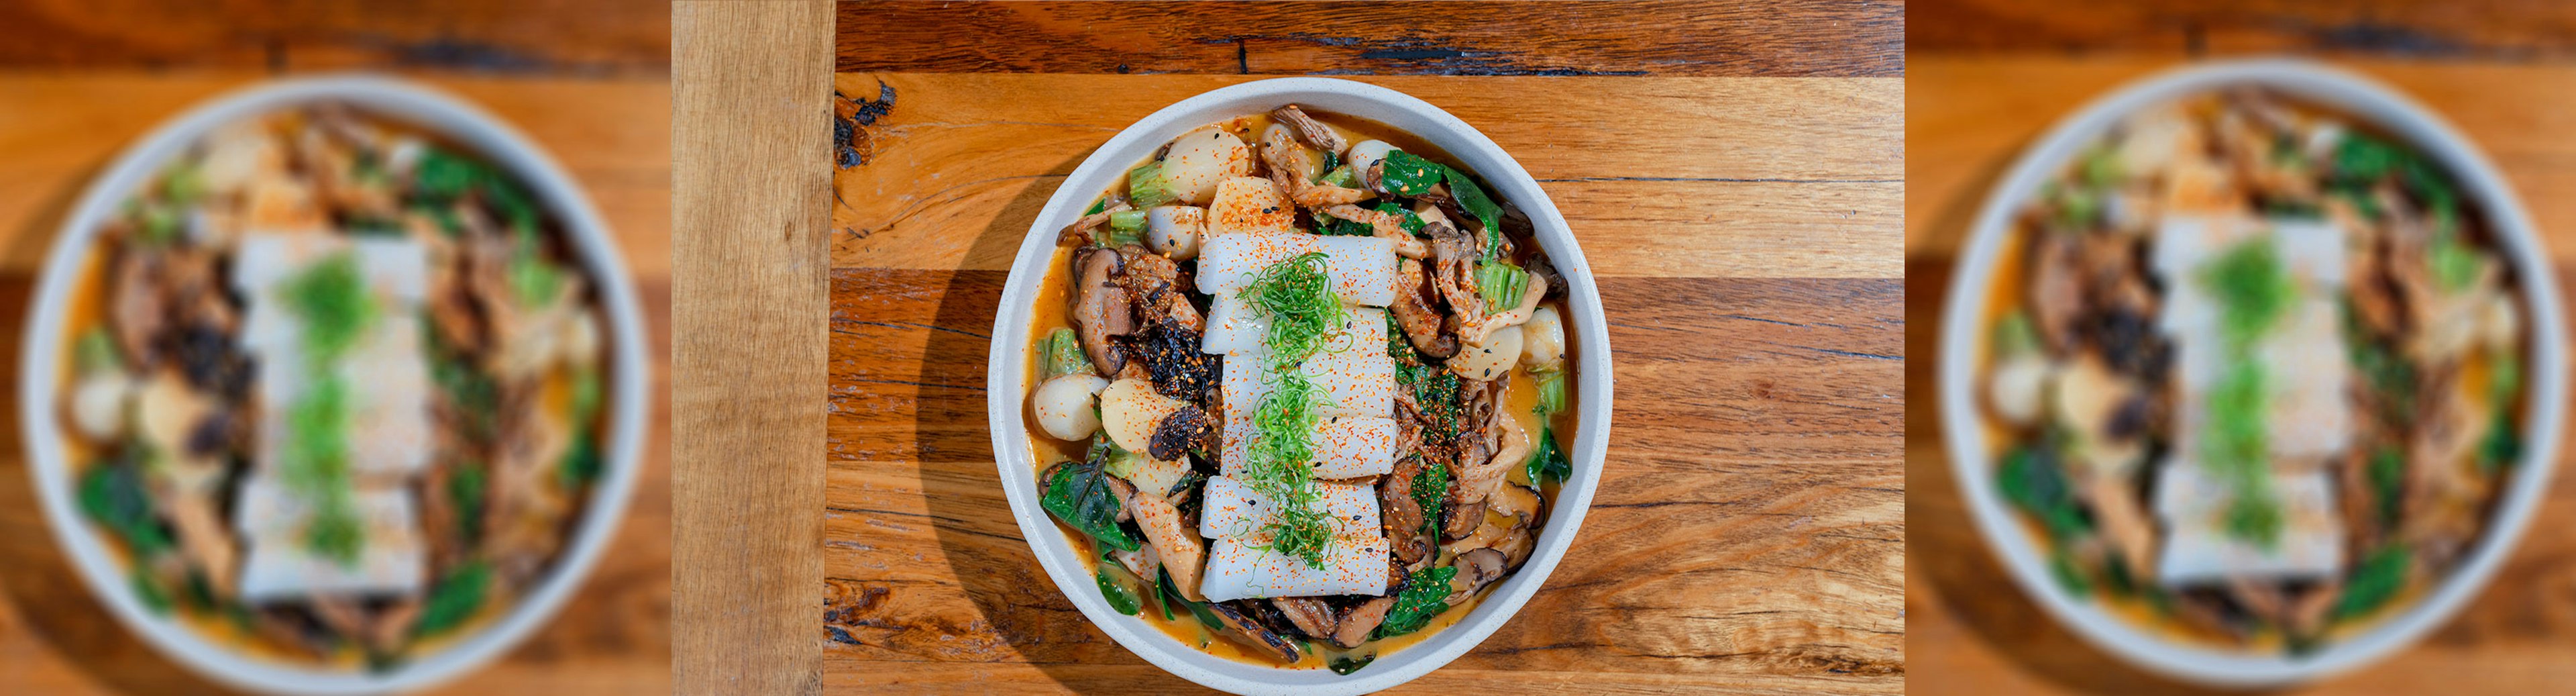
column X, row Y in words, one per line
column 1006, row 388
column 434, row 111
column 1962, row 338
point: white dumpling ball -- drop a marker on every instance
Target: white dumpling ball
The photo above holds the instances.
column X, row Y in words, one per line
column 1201, row 159
column 1063, row 406
column 1501, row 351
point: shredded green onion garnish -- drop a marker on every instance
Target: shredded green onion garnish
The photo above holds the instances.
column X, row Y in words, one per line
column 1279, row 467
column 1296, row 295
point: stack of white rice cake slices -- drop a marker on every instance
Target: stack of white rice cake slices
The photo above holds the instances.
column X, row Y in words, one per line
column 1251, row 227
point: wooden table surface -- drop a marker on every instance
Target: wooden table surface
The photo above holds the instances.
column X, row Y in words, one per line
column 78, row 82
column 1734, row 172
column 1987, row 76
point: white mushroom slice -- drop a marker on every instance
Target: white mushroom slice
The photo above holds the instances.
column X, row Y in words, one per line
column 1064, row 406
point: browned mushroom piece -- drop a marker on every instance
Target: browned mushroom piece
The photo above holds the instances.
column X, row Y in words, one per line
column 2056, row 291
column 1101, row 311
column 1416, row 315
column 1400, row 514
column 1170, row 329
column 1361, row 620
column 1480, row 567
column 1459, row 519
column 1314, row 132
column 1308, row 614
column 139, row 309
column 1243, row 629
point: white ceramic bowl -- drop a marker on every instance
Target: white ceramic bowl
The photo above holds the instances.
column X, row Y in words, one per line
column 489, row 139
column 1589, row 349
column 1963, row 335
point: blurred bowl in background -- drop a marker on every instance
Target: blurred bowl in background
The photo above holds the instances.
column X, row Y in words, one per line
column 583, row 239
column 1964, row 337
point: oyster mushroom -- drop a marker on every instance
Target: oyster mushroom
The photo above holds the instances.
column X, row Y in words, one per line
column 1308, row 614
column 1312, row 131
column 1361, row 620
column 1417, row 316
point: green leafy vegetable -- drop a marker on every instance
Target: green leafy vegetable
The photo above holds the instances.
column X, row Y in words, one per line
column 1125, row 227
column 1115, row 590
column 581, row 462
column 1064, row 355
column 2501, row 446
column 1551, row 391
column 1340, row 176
column 1501, row 284
column 1473, row 199
column 1079, row 494
column 534, row 281
column 1404, row 174
column 2031, row 479
column 2061, row 565
column 1146, row 186
column 112, row 493
column 2387, row 472
column 1419, row 603
column 1547, row 463
column 96, row 351
column 1345, row 664
column 2360, row 158
column 2014, row 335
column 1405, row 217
column 465, row 489
column 454, row 599
column 2375, row 581
column 154, row 598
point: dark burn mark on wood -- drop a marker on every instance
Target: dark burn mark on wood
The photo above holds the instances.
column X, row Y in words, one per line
column 851, row 117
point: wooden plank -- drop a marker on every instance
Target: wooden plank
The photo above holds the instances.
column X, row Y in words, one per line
column 1967, row 119
column 1783, row 178
column 1785, row 38
column 554, row 37
column 2483, row 30
column 751, row 81
column 1972, row 632
column 1746, row 526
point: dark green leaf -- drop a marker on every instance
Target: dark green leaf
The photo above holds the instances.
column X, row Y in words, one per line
column 1404, row 174
column 1115, row 590
column 1344, row 665
column 2375, row 581
column 112, row 493
column 1548, row 462
column 454, row 599
column 1419, row 602
column 1473, row 198
column 1078, row 493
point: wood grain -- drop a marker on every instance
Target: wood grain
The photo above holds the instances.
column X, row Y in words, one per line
column 2456, row 30
column 1822, row 38
column 1969, row 630
column 750, row 182
column 1794, row 167
column 1747, row 535
column 525, row 37
column 57, row 130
